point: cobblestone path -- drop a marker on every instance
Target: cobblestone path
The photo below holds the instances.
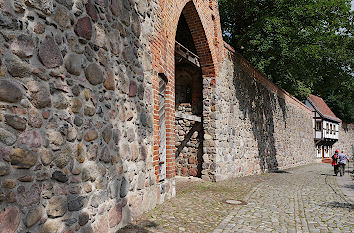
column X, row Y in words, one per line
column 305, row 199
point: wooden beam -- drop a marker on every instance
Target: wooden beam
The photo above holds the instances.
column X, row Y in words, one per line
column 187, row 54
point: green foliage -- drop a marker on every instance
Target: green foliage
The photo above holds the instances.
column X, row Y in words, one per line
column 303, row 46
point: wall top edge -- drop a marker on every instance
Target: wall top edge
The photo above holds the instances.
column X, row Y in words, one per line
column 255, row 73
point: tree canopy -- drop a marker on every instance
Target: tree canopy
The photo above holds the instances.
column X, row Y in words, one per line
column 303, row 46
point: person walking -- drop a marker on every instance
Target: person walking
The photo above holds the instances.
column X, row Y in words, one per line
column 342, row 162
column 335, row 163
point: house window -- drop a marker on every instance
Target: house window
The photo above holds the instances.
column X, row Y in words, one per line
column 331, row 129
column 327, row 128
column 318, row 126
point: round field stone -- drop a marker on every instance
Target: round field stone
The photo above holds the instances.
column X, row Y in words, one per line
column 94, row 74
column 7, row 137
column 57, row 207
column 21, row 158
column 49, row 53
column 91, row 135
column 4, row 169
column 83, row 28
column 9, row 220
column 22, row 46
column 33, row 216
column 16, row 122
column 59, row 176
column 9, row 91
column 73, row 64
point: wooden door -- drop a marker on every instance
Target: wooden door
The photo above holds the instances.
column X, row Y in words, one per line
column 162, row 129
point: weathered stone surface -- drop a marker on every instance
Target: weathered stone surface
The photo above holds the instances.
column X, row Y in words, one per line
column 7, row 137
column 40, row 95
column 98, row 198
column 4, row 169
column 60, row 101
column 76, row 105
column 22, row 46
column 124, row 188
column 83, row 28
column 80, row 152
column 91, row 135
column 33, row 216
column 21, row 158
column 115, row 216
column 72, row 134
column 62, row 16
column 107, row 133
column 57, row 206
column 16, row 122
column 101, row 39
column 73, row 63
column 31, row 139
column 133, row 89
column 105, row 155
column 59, row 176
column 46, row 6
column 26, row 178
column 91, row 11
column 91, row 172
column 9, row 91
column 9, row 183
column 39, row 28
column 64, row 157
column 89, row 110
column 51, row 226
column 9, row 219
column 92, row 152
column 76, row 203
column 83, row 218
column 94, row 74
column 16, row 67
column 49, row 53
column 34, row 118
column 30, row 197
column 67, row 3
column 55, row 137
column 109, row 84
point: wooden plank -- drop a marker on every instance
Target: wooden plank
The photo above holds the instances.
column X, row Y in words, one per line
column 187, row 54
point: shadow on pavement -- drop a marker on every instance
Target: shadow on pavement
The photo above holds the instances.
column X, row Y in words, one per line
column 336, row 204
column 279, row 171
column 140, row 227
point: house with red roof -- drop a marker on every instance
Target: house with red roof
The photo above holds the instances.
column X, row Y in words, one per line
column 325, row 124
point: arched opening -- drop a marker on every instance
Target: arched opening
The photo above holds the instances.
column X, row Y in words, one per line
column 189, row 94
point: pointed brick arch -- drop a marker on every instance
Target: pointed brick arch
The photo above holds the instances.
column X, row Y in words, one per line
column 200, row 40
column 200, row 17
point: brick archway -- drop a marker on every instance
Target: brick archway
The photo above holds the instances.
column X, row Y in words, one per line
column 199, row 16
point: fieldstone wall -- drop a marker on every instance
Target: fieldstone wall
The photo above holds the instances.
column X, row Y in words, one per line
column 346, row 139
column 259, row 127
column 76, row 133
column 189, row 143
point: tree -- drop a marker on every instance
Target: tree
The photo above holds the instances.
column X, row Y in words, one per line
column 303, row 46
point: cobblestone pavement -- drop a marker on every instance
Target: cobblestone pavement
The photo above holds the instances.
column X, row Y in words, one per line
column 304, row 199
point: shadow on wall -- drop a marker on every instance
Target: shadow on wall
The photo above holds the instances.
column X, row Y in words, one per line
column 258, row 104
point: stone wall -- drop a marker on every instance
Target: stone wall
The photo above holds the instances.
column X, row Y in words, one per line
column 76, row 123
column 346, row 139
column 259, row 127
column 189, row 143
